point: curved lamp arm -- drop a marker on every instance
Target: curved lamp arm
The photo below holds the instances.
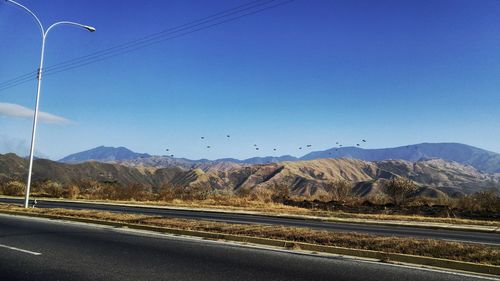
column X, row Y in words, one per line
column 31, row 13
column 87, row 27
column 45, row 32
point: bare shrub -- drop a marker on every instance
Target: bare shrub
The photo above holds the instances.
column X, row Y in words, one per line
column 243, row 192
column 13, row 188
column 280, row 192
column 400, row 189
column 72, row 191
column 134, row 191
column 198, row 192
column 261, row 194
column 167, row 192
column 379, row 199
column 90, row 189
column 36, row 188
column 483, row 201
column 108, row 191
column 340, row 190
column 52, row 189
column 441, row 201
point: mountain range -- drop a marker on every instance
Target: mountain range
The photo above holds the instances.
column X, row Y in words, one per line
column 439, row 169
column 312, row 178
column 480, row 159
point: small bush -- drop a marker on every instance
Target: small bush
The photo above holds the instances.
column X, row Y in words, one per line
column 400, row 189
column 280, row 192
column 53, row 189
column 483, row 201
column 72, row 191
column 135, row 191
column 340, row 190
column 265, row 195
column 167, row 193
column 13, row 188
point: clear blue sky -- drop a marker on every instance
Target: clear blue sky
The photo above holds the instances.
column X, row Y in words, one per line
column 309, row 72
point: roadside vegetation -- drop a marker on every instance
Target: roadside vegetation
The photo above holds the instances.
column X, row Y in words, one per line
column 398, row 203
column 423, row 247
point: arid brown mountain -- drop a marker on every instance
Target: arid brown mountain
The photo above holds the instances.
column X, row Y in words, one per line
column 168, row 162
column 435, row 178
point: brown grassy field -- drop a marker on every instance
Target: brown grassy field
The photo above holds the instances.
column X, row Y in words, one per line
column 244, row 204
column 423, row 247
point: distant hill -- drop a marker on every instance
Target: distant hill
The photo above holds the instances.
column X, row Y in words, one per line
column 122, row 155
column 480, row 159
column 103, row 154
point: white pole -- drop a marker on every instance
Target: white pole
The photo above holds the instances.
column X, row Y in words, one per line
column 39, row 78
column 35, row 122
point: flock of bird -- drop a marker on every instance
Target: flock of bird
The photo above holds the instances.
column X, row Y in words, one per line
column 257, row 148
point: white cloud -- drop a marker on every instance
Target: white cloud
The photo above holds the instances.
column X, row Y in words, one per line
column 15, row 110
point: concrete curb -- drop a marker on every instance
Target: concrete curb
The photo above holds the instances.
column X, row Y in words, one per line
column 427, row 225
column 384, row 256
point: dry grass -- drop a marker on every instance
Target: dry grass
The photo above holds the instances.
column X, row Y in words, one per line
column 423, row 247
column 244, row 204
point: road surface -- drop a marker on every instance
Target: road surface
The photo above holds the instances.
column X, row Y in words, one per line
column 40, row 249
column 402, row 231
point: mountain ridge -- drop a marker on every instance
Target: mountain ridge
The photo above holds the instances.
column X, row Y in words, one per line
column 103, row 154
column 481, row 159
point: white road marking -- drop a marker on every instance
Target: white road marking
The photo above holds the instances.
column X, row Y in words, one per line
column 20, row 250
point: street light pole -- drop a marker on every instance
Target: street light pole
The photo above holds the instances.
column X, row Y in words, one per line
column 39, row 85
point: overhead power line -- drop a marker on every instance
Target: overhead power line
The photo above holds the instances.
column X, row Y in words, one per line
column 215, row 16
column 213, row 20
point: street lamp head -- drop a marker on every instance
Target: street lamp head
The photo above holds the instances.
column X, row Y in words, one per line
column 89, row 28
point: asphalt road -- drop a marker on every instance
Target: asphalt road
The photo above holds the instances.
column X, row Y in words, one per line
column 403, row 231
column 40, row 249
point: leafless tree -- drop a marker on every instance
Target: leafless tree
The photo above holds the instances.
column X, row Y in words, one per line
column 400, row 189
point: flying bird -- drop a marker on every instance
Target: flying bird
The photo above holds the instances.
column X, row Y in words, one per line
column 256, row 148
column 167, row 149
column 274, row 149
column 208, row 146
column 202, row 138
column 228, row 136
column 254, row 145
column 300, row 147
column 171, row 155
column 357, row 144
column 364, row 140
column 309, row 145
